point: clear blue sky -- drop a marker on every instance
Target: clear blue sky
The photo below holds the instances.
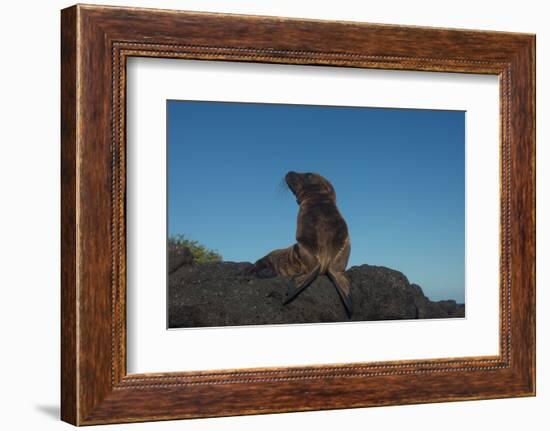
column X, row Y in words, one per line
column 398, row 175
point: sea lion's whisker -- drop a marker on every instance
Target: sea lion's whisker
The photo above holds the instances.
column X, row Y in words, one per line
column 283, row 186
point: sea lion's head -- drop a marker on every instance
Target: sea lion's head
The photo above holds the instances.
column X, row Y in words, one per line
column 309, row 185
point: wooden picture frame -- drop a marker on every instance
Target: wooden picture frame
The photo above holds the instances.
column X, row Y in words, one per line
column 95, row 43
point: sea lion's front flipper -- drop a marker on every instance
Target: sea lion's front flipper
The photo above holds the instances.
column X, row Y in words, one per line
column 300, row 283
column 342, row 285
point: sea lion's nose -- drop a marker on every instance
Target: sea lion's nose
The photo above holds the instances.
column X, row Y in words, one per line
column 291, row 174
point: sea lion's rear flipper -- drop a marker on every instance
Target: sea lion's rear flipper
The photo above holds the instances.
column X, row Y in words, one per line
column 300, row 283
column 342, row 285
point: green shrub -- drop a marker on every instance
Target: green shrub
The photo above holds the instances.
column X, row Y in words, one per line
column 201, row 254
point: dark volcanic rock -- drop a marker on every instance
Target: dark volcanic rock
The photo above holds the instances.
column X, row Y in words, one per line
column 179, row 256
column 220, row 294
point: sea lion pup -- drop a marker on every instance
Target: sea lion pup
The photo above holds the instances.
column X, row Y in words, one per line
column 323, row 245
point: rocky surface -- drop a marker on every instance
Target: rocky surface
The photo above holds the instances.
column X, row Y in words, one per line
column 179, row 256
column 219, row 294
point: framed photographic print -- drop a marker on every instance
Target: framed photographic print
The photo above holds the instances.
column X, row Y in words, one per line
column 265, row 214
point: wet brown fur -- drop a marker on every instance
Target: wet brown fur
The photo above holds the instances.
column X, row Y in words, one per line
column 323, row 245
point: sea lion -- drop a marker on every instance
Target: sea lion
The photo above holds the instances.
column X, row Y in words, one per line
column 322, row 241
